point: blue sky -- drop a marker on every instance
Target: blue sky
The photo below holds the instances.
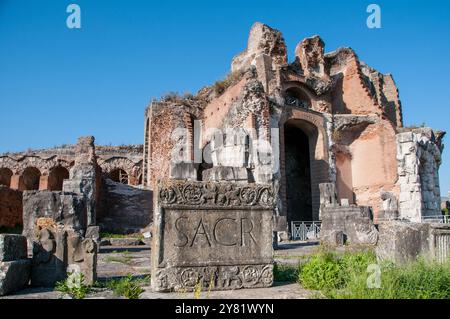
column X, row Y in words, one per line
column 57, row 84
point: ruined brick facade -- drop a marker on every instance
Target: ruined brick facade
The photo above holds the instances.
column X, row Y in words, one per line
column 322, row 118
column 329, row 117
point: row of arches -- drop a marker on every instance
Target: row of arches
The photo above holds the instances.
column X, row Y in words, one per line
column 32, row 178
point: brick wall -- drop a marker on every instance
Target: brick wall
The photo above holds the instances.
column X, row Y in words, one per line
column 10, row 207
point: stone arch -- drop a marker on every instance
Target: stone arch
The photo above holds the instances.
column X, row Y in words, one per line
column 311, row 125
column 9, row 163
column 56, row 178
column 30, row 179
column 5, row 177
column 113, row 164
column 119, row 176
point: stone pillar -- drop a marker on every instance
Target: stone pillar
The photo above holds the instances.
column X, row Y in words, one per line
column 83, row 176
column 43, row 183
column 328, row 196
column 17, row 182
column 418, row 161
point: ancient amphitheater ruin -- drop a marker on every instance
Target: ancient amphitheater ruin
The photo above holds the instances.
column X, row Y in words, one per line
column 226, row 174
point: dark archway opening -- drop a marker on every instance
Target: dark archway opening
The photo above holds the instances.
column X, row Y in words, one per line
column 56, row 178
column 119, row 176
column 5, row 177
column 30, row 179
column 298, row 175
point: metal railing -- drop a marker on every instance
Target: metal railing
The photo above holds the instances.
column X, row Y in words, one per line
column 438, row 219
column 305, row 231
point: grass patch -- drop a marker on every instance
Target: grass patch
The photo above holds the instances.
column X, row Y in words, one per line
column 347, row 276
column 128, row 287
column 17, row 230
column 124, row 258
column 121, row 236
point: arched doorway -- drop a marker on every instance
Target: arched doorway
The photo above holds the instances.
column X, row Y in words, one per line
column 119, row 176
column 57, row 177
column 5, row 177
column 30, row 179
column 298, row 172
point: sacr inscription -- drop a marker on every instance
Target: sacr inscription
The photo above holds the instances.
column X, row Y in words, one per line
column 223, row 231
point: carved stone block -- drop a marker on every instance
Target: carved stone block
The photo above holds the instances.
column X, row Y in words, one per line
column 217, row 235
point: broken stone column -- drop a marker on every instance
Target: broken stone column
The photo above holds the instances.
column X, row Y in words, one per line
column 14, row 265
column 58, row 251
column 82, row 256
column 390, row 207
column 49, row 257
column 418, row 160
column 83, row 176
column 328, row 196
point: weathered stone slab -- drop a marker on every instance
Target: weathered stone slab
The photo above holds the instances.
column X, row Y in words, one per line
column 12, row 247
column 64, row 208
column 14, row 275
column 402, row 242
column 217, row 235
column 124, row 209
column 348, row 224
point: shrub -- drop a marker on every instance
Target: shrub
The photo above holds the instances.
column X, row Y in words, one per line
column 323, row 271
column 128, row 287
column 74, row 286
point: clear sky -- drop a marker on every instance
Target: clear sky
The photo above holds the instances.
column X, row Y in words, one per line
column 57, row 83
